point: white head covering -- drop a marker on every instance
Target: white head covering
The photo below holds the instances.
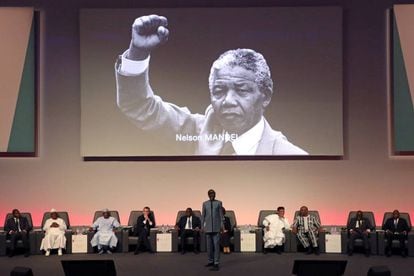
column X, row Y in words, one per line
column 105, row 210
column 53, row 210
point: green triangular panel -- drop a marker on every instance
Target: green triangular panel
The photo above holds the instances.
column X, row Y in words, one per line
column 403, row 105
column 22, row 137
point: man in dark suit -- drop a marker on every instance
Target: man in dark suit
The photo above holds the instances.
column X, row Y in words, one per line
column 189, row 226
column 18, row 228
column 145, row 222
column 212, row 222
column 359, row 227
column 396, row 228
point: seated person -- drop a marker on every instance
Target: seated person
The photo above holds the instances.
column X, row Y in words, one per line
column 142, row 229
column 104, row 237
column 359, row 227
column 18, row 228
column 396, row 228
column 226, row 233
column 307, row 227
column 274, row 236
column 54, row 228
column 189, row 226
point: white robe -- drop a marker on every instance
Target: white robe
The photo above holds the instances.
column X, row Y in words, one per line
column 274, row 236
column 105, row 235
column 54, row 236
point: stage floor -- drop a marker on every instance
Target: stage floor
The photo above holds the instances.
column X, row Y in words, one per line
column 191, row 264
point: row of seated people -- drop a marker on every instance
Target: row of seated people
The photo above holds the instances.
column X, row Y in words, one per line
column 274, row 233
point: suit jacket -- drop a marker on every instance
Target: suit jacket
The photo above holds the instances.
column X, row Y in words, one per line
column 212, row 216
column 366, row 224
column 12, row 225
column 401, row 226
column 149, row 112
column 140, row 226
column 195, row 221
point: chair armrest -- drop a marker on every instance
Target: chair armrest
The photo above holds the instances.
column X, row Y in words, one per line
column 174, row 239
column 236, row 236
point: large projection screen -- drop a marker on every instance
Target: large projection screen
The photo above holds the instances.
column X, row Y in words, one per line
column 302, row 47
column 403, row 79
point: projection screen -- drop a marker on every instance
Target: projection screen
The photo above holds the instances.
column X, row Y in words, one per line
column 278, row 94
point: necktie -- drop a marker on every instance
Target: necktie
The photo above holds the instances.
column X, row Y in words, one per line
column 189, row 222
column 395, row 223
column 18, row 225
column 227, row 149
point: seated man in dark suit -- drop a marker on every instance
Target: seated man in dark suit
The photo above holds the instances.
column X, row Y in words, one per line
column 144, row 223
column 359, row 227
column 396, row 228
column 189, row 226
column 18, row 228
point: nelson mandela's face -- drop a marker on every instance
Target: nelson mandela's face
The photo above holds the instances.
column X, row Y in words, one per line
column 236, row 98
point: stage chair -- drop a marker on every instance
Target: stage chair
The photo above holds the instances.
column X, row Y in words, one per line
column 68, row 233
column 359, row 242
column 176, row 239
column 294, row 242
column 128, row 232
column 5, row 243
column 382, row 240
column 260, row 230
column 118, row 232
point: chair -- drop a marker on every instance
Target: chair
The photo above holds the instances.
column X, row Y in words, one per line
column 118, row 232
column 235, row 239
column 68, row 233
column 382, row 240
column 128, row 233
column 260, row 232
column 321, row 236
column 359, row 242
column 176, row 239
column 5, row 243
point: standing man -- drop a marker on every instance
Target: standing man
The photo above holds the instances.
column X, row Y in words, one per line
column 189, row 226
column 359, row 227
column 145, row 222
column 18, row 228
column 396, row 228
column 212, row 223
column 307, row 228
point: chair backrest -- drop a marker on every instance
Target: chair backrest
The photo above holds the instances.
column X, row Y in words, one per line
column 63, row 215
column 232, row 216
column 405, row 216
column 133, row 216
column 28, row 216
column 114, row 214
column 262, row 215
column 196, row 213
column 311, row 212
column 366, row 214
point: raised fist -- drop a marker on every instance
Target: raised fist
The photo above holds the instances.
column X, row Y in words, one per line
column 147, row 33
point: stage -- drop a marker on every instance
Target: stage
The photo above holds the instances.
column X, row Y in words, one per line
column 191, row 264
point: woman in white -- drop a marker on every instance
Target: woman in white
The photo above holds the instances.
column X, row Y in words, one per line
column 54, row 228
column 274, row 236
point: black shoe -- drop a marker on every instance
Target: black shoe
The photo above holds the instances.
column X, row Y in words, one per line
column 11, row 254
column 27, row 254
column 215, row 268
column 316, row 251
column 265, row 251
column 403, row 254
column 151, row 252
column 388, row 253
column 367, row 253
column 209, row 264
column 309, row 251
column 182, row 252
column 196, row 252
column 136, row 252
column 350, row 253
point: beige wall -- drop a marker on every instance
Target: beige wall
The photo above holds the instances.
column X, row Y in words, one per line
column 366, row 178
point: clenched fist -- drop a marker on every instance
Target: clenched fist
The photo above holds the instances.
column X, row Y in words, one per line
column 147, row 33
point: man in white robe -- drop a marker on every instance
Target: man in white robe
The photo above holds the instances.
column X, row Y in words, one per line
column 274, row 236
column 54, row 228
column 104, row 237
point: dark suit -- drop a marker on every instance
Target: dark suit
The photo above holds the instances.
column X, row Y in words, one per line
column 18, row 234
column 395, row 232
column 142, row 230
column 359, row 232
column 184, row 233
column 225, row 236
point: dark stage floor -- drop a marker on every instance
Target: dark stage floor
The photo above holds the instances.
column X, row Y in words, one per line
column 191, row 264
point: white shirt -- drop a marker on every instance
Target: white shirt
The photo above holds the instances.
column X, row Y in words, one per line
column 305, row 223
column 188, row 224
